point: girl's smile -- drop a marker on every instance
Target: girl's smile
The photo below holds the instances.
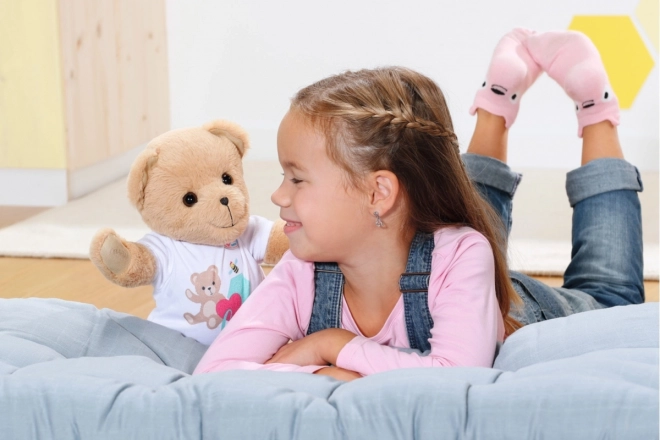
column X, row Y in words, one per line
column 291, row 226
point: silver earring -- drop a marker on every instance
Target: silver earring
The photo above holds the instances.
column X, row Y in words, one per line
column 379, row 222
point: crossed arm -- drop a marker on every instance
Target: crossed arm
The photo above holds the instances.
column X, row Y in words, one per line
column 320, row 348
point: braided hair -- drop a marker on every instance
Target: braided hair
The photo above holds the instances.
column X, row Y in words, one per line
column 397, row 119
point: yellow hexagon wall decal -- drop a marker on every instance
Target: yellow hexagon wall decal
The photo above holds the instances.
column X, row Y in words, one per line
column 647, row 13
column 625, row 56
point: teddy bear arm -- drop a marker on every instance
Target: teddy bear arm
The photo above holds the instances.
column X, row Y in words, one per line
column 142, row 268
column 278, row 243
column 124, row 263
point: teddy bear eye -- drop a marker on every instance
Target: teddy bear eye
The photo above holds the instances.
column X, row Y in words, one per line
column 226, row 179
column 189, row 199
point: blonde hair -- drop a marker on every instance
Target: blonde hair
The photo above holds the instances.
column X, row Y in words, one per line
column 396, row 119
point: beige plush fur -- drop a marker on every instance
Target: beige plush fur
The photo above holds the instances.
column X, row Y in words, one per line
column 190, row 160
column 278, row 243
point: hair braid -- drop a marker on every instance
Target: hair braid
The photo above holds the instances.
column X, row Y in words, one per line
column 398, row 118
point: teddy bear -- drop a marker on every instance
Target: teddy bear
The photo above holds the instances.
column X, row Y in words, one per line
column 204, row 252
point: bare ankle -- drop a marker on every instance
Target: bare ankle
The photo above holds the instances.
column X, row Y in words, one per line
column 490, row 136
column 600, row 141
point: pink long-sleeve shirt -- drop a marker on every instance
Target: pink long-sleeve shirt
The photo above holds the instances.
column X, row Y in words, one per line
column 467, row 320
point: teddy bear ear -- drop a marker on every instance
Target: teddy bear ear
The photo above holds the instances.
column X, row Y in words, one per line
column 231, row 131
column 139, row 176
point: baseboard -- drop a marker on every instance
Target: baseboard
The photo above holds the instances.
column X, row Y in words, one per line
column 93, row 177
column 33, row 187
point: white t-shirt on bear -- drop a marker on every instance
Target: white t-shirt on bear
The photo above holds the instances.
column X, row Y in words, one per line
column 197, row 288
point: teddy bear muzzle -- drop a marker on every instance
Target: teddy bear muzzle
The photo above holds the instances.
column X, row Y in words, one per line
column 225, row 202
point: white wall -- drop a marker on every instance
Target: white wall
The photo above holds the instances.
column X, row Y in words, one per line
column 243, row 60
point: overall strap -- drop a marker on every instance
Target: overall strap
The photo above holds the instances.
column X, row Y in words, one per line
column 414, row 285
column 328, row 290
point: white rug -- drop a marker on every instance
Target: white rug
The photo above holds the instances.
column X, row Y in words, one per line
column 66, row 231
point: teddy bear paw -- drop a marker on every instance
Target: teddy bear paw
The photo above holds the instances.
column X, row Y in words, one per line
column 114, row 254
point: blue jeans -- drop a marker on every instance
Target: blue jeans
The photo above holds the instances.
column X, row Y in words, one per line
column 606, row 267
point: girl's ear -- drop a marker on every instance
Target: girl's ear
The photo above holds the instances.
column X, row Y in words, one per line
column 383, row 191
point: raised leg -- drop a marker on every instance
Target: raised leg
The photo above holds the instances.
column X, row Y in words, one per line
column 485, row 164
column 510, row 73
column 606, row 257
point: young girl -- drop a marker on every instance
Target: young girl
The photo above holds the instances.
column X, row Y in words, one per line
column 396, row 260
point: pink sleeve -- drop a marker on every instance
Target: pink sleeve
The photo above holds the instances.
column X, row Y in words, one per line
column 272, row 315
column 466, row 316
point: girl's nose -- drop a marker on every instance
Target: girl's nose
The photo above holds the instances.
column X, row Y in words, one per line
column 279, row 197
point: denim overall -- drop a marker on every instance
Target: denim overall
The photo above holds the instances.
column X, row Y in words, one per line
column 414, row 285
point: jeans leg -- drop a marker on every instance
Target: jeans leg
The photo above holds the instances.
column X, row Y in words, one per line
column 495, row 182
column 606, row 259
column 542, row 302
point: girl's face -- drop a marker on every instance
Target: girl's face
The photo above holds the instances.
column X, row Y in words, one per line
column 325, row 219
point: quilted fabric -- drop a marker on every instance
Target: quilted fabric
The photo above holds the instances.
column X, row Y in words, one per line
column 68, row 370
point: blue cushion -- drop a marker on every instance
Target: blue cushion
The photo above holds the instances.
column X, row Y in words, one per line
column 68, row 370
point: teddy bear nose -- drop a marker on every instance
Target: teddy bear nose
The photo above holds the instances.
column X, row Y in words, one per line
column 224, row 201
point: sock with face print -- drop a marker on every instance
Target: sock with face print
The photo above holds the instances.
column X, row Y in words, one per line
column 511, row 72
column 571, row 59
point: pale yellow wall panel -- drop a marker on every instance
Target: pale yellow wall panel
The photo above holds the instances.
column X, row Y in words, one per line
column 32, row 133
column 143, row 70
column 88, row 41
column 115, row 76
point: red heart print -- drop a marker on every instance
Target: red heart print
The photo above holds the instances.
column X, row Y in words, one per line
column 227, row 308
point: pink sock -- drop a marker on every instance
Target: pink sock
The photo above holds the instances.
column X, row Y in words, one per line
column 571, row 59
column 510, row 73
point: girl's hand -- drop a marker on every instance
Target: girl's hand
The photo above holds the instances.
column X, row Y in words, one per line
column 320, row 348
column 339, row 373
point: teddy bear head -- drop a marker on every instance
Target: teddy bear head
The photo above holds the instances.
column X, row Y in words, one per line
column 188, row 184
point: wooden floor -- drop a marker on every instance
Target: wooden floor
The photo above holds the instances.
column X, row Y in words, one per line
column 79, row 280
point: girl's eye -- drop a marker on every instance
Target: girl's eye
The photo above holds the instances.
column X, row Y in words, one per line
column 293, row 180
